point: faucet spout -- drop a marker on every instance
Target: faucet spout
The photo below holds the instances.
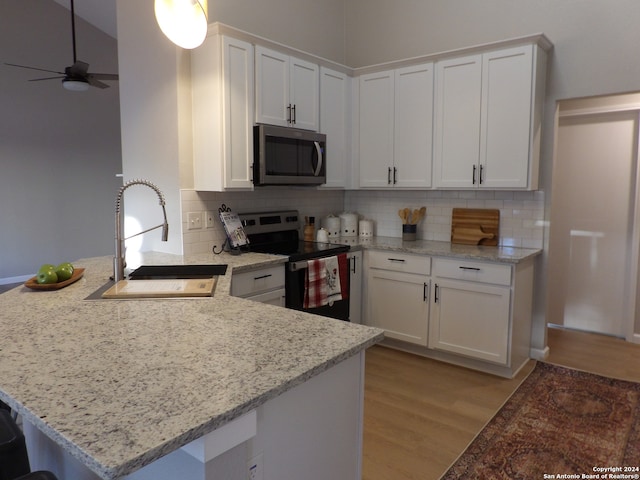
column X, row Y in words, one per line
column 118, row 259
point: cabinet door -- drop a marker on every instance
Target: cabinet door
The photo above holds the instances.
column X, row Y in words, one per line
column 355, row 287
column 304, row 94
column 376, row 114
column 457, row 122
column 222, row 90
column 507, row 77
column 272, row 87
column 238, row 113
column 334, row 122
column 398, row 304
column 275, row 297
column 413, row 126
column 470, row 319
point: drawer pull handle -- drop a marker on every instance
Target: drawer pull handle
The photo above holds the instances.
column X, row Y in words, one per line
column 402, row 260
column 435, row 293
column 262, row 276
column 425, row 294
column 470, row 268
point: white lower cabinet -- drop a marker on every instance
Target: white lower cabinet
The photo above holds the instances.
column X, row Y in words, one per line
column 470, row 319
column 355, row 286
column 476, row 314
column 264, row 285
column 397, row 295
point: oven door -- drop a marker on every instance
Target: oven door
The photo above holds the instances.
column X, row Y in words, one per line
column 294, row 294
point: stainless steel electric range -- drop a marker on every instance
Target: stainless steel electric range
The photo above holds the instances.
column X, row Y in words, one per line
column 279, row 233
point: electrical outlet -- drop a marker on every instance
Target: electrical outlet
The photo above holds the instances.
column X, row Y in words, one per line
column 254, row 468
column 194, row 220
column 209, row 219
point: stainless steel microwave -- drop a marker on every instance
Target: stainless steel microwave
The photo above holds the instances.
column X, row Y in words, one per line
column 288, row 156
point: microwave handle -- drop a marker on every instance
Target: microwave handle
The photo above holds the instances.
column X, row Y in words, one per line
column 319, row 152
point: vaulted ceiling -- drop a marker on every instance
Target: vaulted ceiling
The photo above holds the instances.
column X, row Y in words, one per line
column 99, row 13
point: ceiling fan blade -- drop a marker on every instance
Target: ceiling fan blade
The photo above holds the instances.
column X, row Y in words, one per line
column 34, row 68
column 104, row 76
column 46, row 78
column 96, row 83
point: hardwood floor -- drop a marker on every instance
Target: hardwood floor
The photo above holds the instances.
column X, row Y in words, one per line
column 420, row 414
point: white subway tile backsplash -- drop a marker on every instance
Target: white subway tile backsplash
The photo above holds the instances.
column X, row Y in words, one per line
column 521, row 213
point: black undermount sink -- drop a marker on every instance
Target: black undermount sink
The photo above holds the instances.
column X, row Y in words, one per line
column 156, row 272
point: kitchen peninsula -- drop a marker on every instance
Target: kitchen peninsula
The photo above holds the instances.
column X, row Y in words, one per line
column 111, row 388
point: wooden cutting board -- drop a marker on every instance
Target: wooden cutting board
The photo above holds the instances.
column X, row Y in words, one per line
column 475, row 226
column 162, row 288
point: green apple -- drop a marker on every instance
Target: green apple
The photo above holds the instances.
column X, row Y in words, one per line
column 47, row 275
column 64, row 271
column 46, row 266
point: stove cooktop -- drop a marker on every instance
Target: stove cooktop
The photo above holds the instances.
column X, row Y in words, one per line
column 277, row 233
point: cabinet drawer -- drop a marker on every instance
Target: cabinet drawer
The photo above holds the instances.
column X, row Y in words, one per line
column 400, row 262
column 256, row 281
column 494, row 273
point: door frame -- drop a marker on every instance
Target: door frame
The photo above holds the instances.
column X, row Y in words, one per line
column 607, row 105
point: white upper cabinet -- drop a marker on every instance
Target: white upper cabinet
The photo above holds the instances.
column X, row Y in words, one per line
column 222, row 89
column 413, row 129
column 376, row 117
column 287, row 90
column 488, row 110
column 335, row 102
column 395, row 127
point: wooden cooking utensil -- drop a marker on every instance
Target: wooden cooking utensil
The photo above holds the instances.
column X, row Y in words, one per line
column 407, row 213
column 401, row 215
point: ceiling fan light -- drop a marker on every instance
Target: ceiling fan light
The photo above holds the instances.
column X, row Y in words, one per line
column 184, row 22
column 75, row 85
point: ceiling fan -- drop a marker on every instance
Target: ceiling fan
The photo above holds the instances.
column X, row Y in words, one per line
column 77, row 76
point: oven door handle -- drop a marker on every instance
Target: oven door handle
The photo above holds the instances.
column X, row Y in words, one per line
column 295, row 266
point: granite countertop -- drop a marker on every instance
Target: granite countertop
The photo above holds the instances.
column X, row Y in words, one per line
column 442, row 249
column 120, row 383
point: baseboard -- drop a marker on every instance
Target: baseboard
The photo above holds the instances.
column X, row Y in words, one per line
column 635, row 338
column 538, row 353
column 10, row 280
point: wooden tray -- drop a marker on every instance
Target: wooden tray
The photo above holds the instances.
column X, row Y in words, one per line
column 475, row 226
column 34, row 285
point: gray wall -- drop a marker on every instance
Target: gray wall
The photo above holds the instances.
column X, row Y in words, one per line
column 59, row 150
column 313, row 26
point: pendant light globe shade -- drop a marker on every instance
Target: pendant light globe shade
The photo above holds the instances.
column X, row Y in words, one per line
column 184, row 22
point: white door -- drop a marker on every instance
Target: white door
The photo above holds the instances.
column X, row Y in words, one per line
column 272, row 87
column 591, row 271
column 507, row 77
column 305, row 94
column 398, row 304
column 458, row 93
column 376, row 129
column 413, row 126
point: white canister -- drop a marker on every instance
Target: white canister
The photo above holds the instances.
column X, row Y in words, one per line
column 331, row 224
column 322, row 235
column 348, row 224
column 366, row 228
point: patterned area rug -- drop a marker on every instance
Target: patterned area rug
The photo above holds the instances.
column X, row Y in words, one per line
column 560, row 423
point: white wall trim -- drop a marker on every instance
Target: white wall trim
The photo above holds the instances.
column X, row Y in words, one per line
column 539, row 353
column 10, row 280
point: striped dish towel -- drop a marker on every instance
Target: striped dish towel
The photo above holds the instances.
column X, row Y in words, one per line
column 326, row 281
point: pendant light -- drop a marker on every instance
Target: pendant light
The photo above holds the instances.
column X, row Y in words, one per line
column 184, row 22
